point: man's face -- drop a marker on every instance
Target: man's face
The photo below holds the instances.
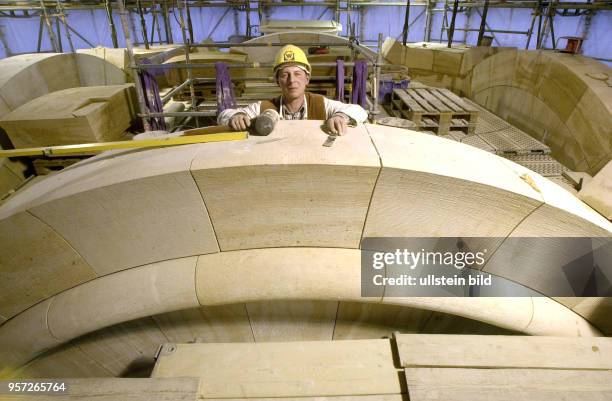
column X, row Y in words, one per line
column 292, row 81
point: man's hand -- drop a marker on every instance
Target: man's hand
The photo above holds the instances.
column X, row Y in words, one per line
column 240, row 122
column 338, row 124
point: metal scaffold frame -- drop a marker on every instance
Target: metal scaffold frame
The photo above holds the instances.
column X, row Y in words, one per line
column 544, row 12
column 157, row 62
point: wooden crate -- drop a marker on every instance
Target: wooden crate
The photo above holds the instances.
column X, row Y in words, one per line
column 434, row 109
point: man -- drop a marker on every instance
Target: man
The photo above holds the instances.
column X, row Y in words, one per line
column 292, row 74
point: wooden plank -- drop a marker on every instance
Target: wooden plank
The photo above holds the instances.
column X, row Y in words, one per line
column 435, row 384
column 475, row 351
column 317, row 368
column 422, row 101
column 458, row 101
column 426, row 94
column 455, row 107
column 402, row 94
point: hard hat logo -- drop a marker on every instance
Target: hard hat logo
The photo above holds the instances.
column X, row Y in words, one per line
column 289, row 56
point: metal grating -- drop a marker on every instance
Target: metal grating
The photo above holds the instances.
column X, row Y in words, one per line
column 500, row 143
column 478, row 142
column 524, row 141
column 531, row 157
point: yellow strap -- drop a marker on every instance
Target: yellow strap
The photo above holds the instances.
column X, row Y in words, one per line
column 103, row 146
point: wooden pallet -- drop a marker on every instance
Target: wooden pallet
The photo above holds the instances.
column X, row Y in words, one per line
column 434, row 109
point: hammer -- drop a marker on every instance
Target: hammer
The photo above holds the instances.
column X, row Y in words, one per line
column 261, row 125
column 264, row 123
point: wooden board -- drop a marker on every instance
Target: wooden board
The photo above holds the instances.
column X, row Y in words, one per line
column 469, row 351
column 429, row 384
column 176, row 76
column 444, row 108
column 318, row 368
column 72, row 116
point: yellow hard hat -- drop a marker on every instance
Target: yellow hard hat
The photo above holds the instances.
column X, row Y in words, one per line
column 291, row 54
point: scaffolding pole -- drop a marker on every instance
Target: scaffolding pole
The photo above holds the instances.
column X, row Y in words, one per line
column 45, row 16
column 194, row 105
column 62, row 16
column 59, row 34
column 483, row 22
column 143, row 109
column 451, row 31
column 167, row 27
column 189, row 24
column 428, row 17
column 155, row 23
column 143, row 24
column 111, row 23
column 406, row 23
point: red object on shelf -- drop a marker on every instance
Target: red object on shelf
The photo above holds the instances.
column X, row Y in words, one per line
column 574, row 43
